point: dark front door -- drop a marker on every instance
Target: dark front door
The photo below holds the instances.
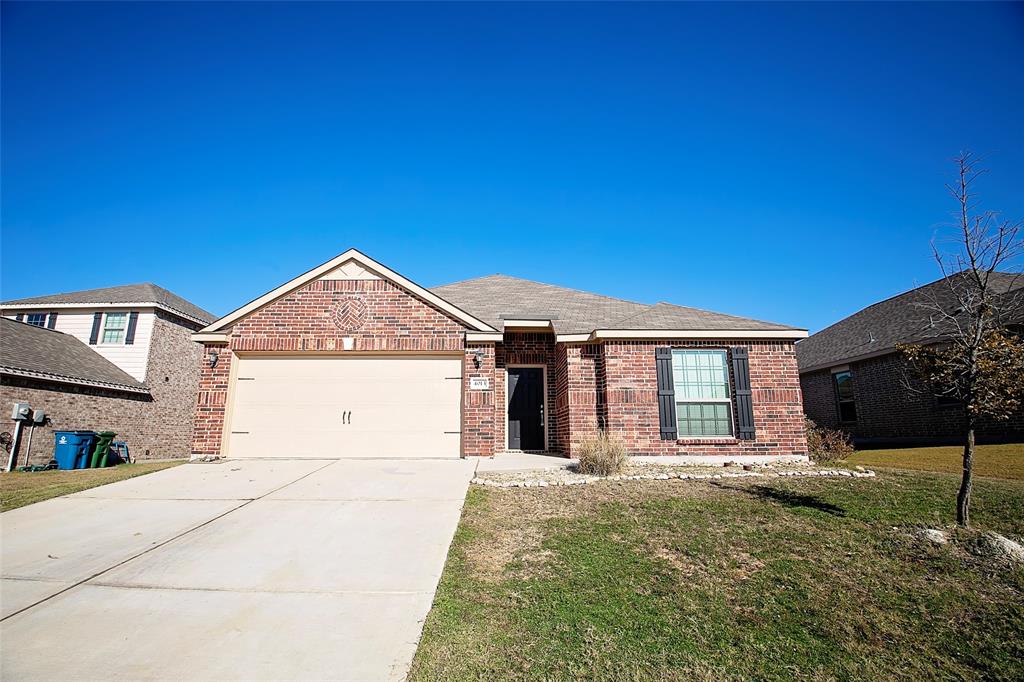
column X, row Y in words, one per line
column 525, row 408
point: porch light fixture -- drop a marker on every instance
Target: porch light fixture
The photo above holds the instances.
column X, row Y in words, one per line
column 478, row 357
column 212, row 358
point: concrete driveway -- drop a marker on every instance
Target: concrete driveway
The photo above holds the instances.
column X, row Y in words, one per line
column 283, row 569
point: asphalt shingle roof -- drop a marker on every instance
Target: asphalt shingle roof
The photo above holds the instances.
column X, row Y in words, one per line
column 900, row 319
column 496, row 298
column 129, row 293
column 35, row 351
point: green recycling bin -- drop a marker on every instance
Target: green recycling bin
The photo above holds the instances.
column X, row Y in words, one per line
column 101, row 449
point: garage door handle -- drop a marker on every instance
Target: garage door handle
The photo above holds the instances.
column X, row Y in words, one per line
column 346, row 417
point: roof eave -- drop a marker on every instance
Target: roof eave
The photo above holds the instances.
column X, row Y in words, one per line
column 78, row 381
column 126, row 304
column 600, row 334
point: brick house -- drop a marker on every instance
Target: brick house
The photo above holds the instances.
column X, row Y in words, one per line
column 119, row 359
column 854, row 380
column 353, row 359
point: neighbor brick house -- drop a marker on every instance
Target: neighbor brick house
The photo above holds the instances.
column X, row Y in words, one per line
column 353, row 359
column 120, row 359
column 854, row 379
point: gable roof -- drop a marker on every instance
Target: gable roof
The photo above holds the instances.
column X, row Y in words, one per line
column 129, row 294
column 877, row 329
column 497, row 298
column 35, row 352
column 323, row 269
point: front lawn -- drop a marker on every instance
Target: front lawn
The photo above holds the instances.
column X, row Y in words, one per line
column 19, row 488
column 997, row 461
column 733, row 579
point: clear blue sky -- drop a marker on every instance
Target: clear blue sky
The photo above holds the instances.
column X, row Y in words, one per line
column 784, row 162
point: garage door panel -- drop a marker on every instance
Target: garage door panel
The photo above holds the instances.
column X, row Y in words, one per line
column 346, row 407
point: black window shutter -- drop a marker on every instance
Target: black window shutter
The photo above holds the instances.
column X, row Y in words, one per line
column 744, row 402
column 19, row 317
column 666, row 393
column 51, row 322
column 133, row 321
column 95, row 335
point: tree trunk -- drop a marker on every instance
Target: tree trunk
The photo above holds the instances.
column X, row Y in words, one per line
column 963, row 498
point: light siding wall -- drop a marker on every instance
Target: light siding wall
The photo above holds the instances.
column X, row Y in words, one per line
column 132, row 359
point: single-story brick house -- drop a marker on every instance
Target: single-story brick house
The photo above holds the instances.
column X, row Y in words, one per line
column 118, row 358
column 853, row 378
column 353, row 359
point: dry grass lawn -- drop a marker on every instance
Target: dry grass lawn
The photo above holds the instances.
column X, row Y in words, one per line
column 996, row 461
column 19, row 488
column 738, row 579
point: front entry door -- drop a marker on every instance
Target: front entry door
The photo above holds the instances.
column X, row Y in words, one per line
column 525, row 408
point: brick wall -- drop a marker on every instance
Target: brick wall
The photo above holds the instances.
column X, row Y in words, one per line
column 889, row 412
column 304, row 320
column 79, row 408
column 820, row 398
column 631, row 395
column 479, row 407
column 157, row 426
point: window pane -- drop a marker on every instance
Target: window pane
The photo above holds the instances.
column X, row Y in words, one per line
column 704, row 419
column 37, row 319
column 844, row 385
column 700, row 374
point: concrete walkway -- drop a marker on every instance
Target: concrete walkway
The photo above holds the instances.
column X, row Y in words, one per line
column 281, row 569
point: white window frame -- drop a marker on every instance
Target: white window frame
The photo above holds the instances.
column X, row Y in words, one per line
column 124, row 330
column 727, row 400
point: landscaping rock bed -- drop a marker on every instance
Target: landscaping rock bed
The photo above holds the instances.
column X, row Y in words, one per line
column 656, row 472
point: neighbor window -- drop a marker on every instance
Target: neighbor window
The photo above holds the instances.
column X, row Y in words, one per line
column 845, row 396
column 703, row 403
column 37, row 319
column 114, row 326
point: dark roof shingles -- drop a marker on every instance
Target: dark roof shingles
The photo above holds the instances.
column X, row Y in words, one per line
column 129, row 293
column 879, row 327
column 496, row 298
column 37, row 350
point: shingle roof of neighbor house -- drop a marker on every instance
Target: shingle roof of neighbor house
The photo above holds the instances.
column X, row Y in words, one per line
column 30, row 351
column 877, row 329
column 497, row 298
column 129, row 293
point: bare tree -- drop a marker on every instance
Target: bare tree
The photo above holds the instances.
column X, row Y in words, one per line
column 969, row 353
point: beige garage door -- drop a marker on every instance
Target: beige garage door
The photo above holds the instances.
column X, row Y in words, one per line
column 390, row 406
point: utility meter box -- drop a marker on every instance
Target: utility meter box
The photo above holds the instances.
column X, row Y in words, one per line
column 21, row 412
column 38, row 417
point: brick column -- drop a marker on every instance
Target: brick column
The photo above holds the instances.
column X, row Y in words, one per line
column 211, row 401
column 479, row 407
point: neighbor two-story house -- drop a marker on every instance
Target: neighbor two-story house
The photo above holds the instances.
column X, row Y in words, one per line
column 118, row 359
column 855, row 380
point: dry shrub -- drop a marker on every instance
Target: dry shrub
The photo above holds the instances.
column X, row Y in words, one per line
column 827, row 445
column 602, row 455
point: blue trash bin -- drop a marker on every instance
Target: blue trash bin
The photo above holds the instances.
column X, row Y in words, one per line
column 71, row 449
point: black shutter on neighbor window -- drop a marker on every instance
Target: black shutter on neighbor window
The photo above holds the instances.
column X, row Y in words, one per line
column 133, row 322
column 744, row 402
column 19, row 317
column 94, row 336
column 51, row 322
column 666, row 393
